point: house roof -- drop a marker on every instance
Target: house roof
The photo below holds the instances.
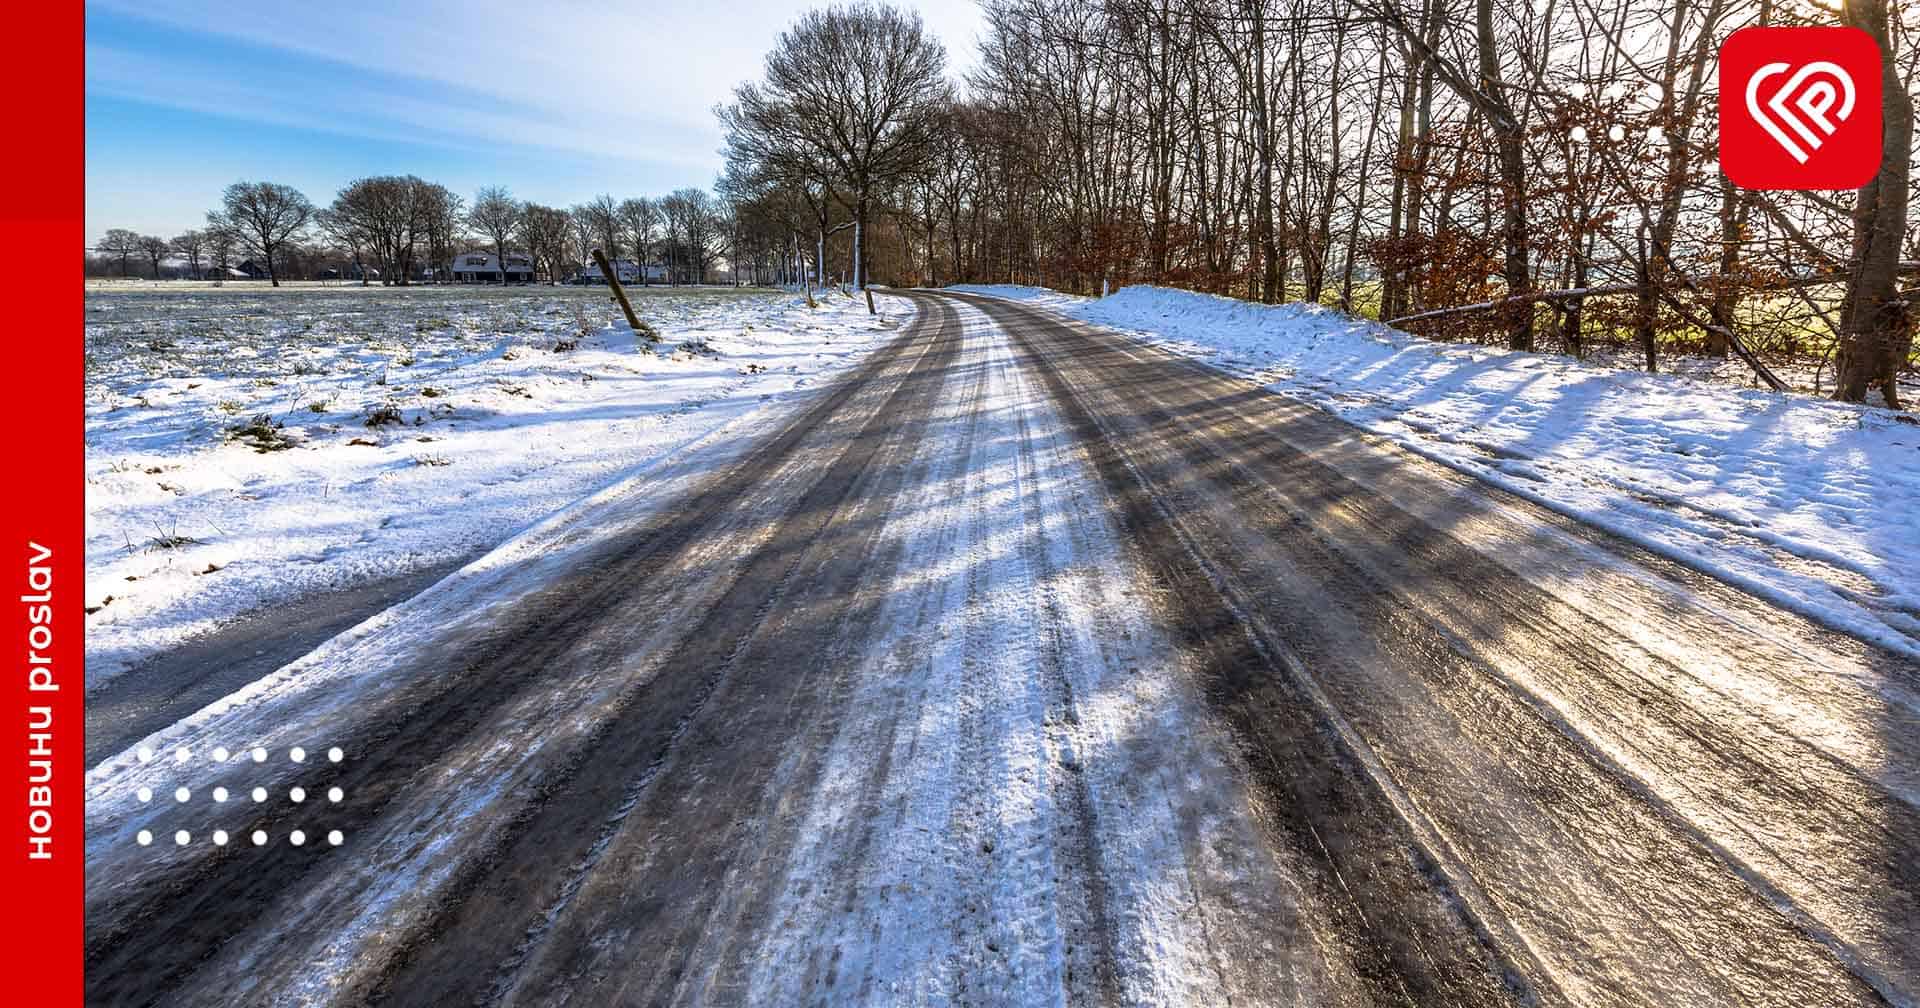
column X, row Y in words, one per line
column 477, row 260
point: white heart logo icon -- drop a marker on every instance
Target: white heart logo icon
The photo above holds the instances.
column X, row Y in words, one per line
column 1812, row 93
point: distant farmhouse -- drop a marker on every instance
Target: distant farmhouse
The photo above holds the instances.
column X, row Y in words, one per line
column 484, row 267
column 627, row 270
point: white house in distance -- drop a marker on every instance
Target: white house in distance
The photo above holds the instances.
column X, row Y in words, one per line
column 484, row 267
column 627, row 270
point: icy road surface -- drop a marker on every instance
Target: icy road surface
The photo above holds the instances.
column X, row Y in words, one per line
column 1029, row 664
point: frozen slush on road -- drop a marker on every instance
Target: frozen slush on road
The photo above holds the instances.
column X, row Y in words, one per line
column 1797, row 499
column 1023, row 662
column 508, row 587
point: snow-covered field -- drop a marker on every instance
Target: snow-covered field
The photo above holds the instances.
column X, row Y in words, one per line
column 404, row 428
column 1805, row 502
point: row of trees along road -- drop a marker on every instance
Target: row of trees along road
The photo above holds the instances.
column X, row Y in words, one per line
column 400, row 227
column 851, row 108
column 1536, row 175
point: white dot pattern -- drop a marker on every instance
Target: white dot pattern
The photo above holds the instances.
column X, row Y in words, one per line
column 220, row 754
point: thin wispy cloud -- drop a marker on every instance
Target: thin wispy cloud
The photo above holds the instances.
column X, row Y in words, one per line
column 621, row 91
column 308, row 73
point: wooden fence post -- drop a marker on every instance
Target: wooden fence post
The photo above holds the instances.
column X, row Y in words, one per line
column 619, row 294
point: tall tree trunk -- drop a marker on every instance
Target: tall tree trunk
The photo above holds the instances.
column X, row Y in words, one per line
column 1510, row 139
column 1365, row 174
column 1876, row 326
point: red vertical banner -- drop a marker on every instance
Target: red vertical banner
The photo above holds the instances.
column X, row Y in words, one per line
column 42, row 218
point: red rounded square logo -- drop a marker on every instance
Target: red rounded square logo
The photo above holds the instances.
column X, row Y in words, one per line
column 1800, row 108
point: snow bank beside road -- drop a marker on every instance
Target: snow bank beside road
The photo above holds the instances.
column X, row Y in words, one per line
column 497, row 425
column 1038, row 296
column 1805, row 502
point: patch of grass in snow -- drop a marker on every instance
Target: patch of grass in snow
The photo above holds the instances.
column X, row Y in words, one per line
column 262, row 433
column 171, row 539
column 384, row 415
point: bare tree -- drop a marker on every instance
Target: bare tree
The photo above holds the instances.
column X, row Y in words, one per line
column 496, row 215
column 604, row 214
column 641, row 219
column 155, row 249
column 264, row 218
column 348, row 235
column 441, row 214
column 120, row 243
column 581, row 219
column 545, row 231
column 391, row 215
column 220, row 246
column 697, row 232
column 858, row 89
column 193, row 245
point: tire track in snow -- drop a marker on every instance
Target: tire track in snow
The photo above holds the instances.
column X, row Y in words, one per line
column 1430, row 657
column 196, row 901
column 1016, row 594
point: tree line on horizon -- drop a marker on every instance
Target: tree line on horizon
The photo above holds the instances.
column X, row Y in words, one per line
column 1536, row 175
column 403, row 229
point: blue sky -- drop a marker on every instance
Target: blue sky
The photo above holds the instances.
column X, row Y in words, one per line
column 557, row 100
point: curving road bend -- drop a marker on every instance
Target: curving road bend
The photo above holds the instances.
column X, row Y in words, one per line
column 1030, row 665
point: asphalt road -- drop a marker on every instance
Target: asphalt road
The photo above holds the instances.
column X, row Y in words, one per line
column 1029, row 665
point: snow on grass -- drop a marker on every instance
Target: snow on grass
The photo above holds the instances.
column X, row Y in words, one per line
column 1804, row 502
column 248, row 446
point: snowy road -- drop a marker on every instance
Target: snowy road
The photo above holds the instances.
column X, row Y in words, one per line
column 1031, row 665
